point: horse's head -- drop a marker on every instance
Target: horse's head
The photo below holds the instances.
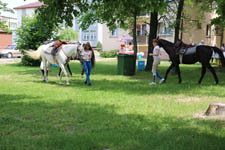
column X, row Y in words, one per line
column 80, row 50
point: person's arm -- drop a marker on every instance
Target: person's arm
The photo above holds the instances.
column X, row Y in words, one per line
column 156, row 53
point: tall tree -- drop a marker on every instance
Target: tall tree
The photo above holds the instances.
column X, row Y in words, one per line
column 152, row 35
column 111, row 12
column 178, row 19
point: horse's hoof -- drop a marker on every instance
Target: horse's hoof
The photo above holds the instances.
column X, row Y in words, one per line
column 217, row 82
column 46, row 81
column 68, row 83
column 60, row 83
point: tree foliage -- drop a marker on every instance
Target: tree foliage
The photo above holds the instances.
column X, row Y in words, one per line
column 3, row 26
column 31, row 35
column 68, row 34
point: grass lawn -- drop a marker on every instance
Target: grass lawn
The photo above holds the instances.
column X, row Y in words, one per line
column 116, row 113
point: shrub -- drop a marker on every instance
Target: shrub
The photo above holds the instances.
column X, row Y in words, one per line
column 31, row 35
column 108, row 54
column 99, row 46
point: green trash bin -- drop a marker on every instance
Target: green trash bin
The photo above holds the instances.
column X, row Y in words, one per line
column 126, row 64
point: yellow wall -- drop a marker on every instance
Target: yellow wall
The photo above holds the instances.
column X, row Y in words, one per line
column 193, row 34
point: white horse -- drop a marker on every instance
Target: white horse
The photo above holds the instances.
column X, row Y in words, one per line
column 61, row 58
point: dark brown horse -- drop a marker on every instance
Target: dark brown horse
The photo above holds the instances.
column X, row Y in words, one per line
column 202, row 54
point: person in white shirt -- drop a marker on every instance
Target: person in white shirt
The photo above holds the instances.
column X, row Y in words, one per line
column 156, row 62
column 87, row 63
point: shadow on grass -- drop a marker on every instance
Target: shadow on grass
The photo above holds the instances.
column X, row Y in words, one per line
column 86, row 126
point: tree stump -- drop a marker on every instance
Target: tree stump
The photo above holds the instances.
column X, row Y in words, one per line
column 215, row 109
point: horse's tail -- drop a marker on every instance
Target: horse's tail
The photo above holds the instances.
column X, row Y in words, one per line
column 34, row 54
column 93, row 59
column 222, row 59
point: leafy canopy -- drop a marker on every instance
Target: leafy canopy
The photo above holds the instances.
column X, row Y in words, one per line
column 3, row 7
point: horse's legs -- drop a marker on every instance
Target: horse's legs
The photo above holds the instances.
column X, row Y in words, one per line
column 64, row 71
column 68, row 67
column 60, row 76
column 60, row 70
column 45, row 70
column 178, row 73
column 203, row 73
column 213, row 72
column 168, row 70
column 42, row 70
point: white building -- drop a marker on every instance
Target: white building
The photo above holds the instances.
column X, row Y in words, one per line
column 26, row 10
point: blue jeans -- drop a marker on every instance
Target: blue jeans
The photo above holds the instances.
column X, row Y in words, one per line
column 87, row 69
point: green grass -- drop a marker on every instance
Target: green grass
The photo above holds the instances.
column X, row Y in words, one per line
column 116, row 113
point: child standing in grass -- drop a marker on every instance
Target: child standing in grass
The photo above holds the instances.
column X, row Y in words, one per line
column 87, row 62
column 156, row 62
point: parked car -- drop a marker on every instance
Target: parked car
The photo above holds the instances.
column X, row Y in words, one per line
column 10, row 52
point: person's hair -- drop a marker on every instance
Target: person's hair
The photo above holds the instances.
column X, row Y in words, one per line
column 88, row 44
column 155, row 41
column 130, row 43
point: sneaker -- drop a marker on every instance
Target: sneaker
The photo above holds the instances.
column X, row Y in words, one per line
column 161, row 81
column 153, row 83
column 85, row 82
column 89, row 84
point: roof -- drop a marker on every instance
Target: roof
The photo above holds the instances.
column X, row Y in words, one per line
column 31, row 5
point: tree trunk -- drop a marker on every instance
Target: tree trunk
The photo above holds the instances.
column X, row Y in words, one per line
column 153, row 34
column 215, row 109
column 135, row 32
column 135, row 36
column 178, row 20
column 222, row 34
column 177, row 27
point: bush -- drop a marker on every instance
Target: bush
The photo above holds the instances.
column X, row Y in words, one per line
column 99, row 46
column 108, row 54
column 31, row 35
column 28, row 61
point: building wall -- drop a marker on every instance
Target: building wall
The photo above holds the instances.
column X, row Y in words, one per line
column 24, row 12
column 195, row 34
column 6, row 39
column 10, row 22
column 111, row 42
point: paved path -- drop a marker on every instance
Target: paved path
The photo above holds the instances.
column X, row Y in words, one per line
column 9, row 61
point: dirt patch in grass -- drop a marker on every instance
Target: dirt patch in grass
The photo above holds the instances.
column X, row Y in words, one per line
column 188, row 99
column 201, row 115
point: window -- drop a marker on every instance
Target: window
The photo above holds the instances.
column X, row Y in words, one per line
column 217, row 31
column 162, row 29
column 23, row 12
column 143, row 29
column 115, row 32
column 89, row 35
column 13, row 25
column 208, row 30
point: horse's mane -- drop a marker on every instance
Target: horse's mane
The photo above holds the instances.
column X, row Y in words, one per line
column 167, row 42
